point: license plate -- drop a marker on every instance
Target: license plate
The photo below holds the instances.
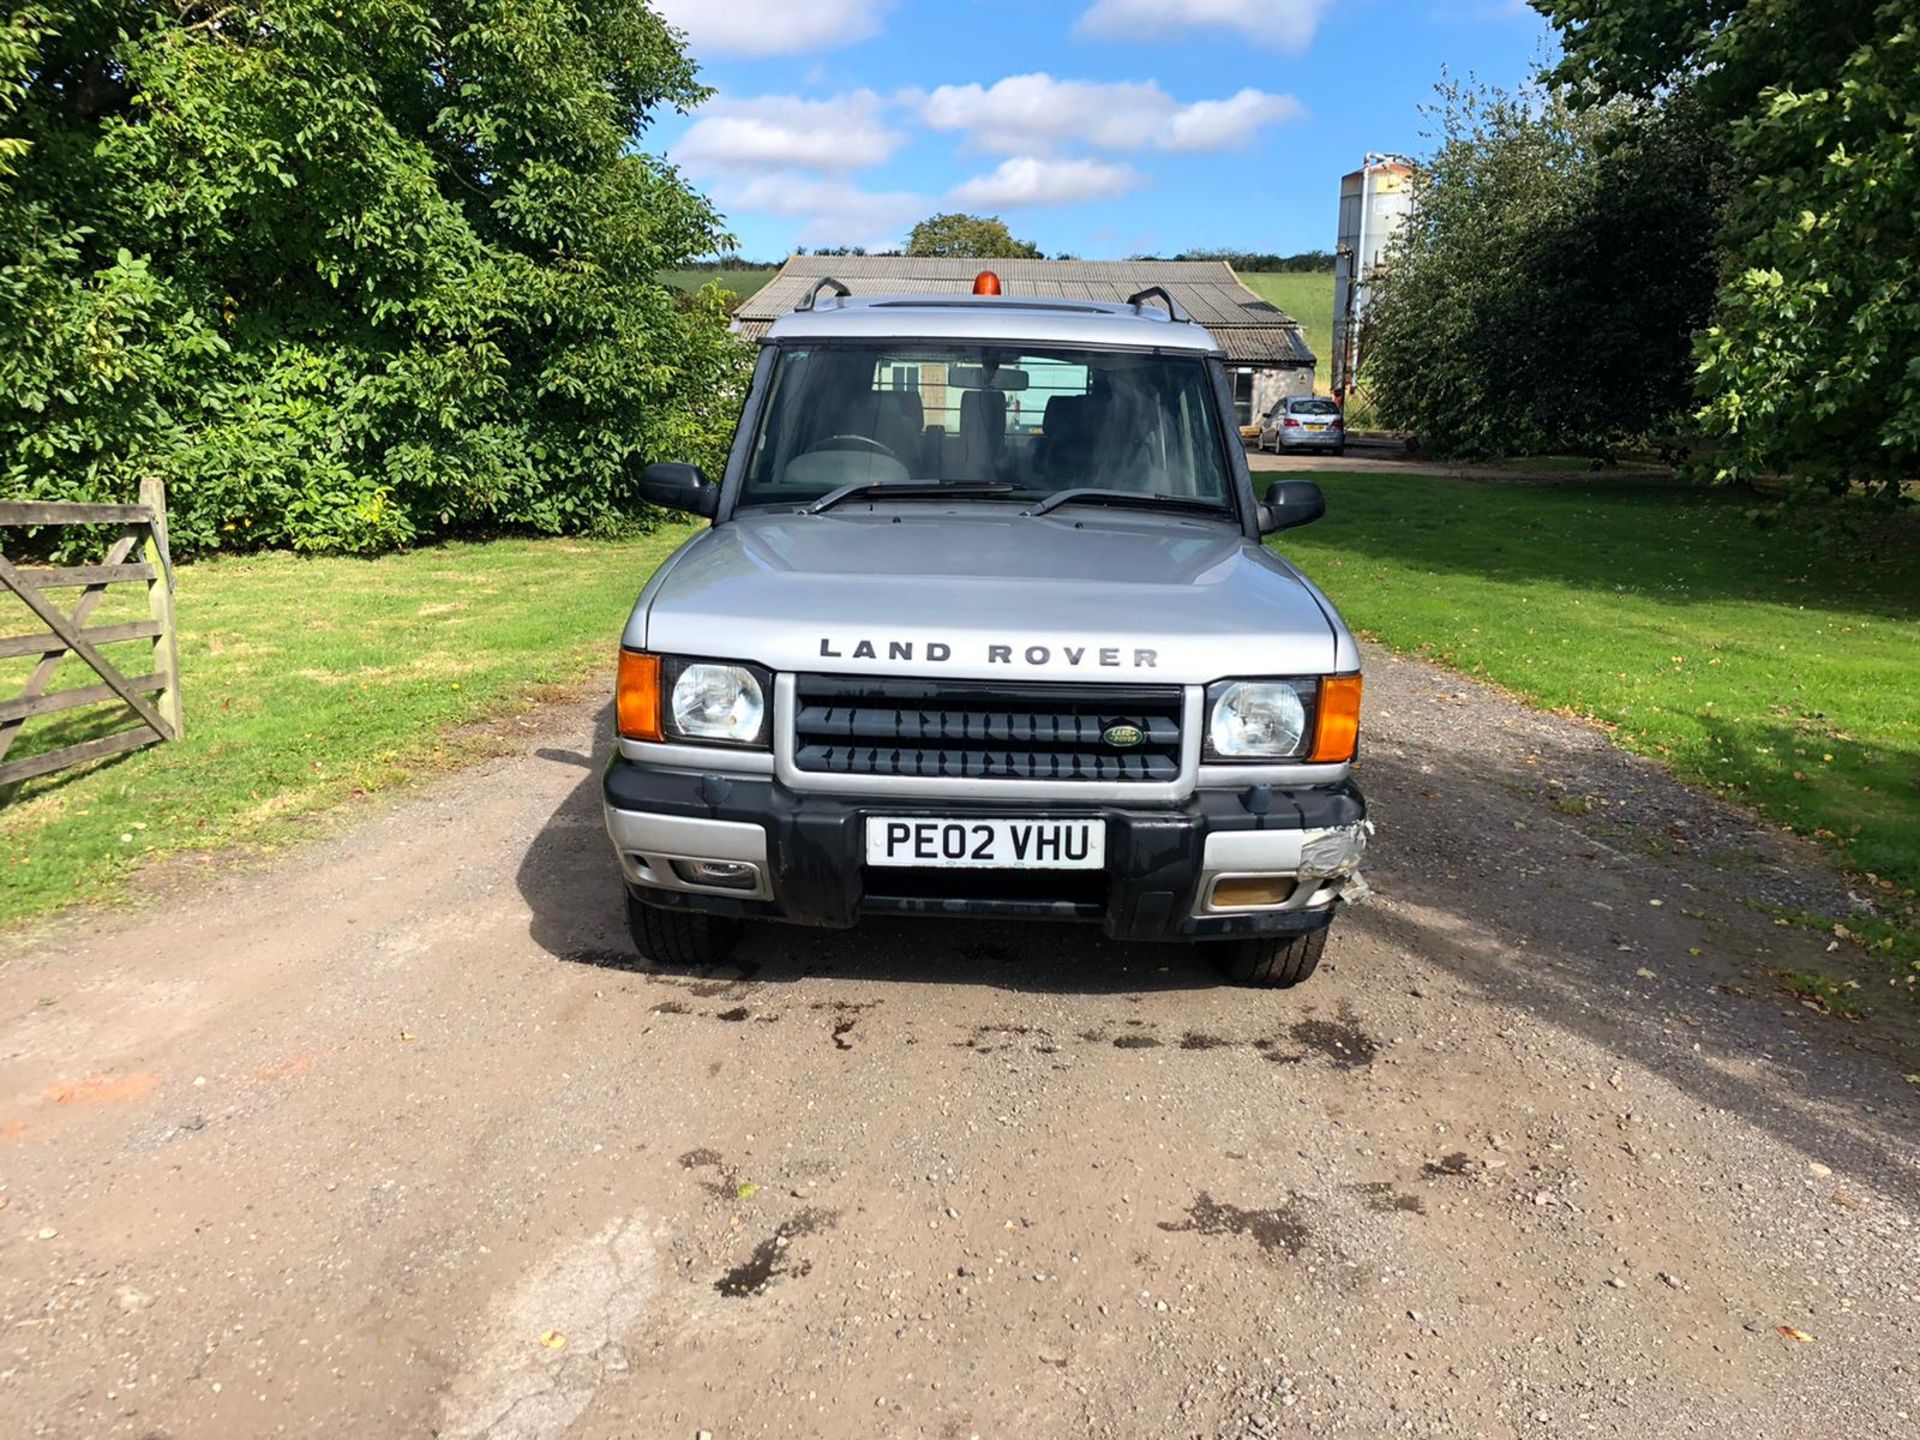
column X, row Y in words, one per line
column 987, row 844
column 1316, row 427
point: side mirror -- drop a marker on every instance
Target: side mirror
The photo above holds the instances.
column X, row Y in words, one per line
column 1291, row 503
column 680, row 487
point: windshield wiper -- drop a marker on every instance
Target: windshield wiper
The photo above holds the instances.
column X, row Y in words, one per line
column 908, row 490
column 1093, row 495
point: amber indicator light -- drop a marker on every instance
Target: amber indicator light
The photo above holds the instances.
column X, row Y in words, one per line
column 1336, row 731
column 637, row 695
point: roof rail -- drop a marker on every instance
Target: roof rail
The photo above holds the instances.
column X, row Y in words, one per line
column 826, row 282
column 1175, row 310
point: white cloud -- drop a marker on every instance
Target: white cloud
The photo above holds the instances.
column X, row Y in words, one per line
column 831, row 212
column 771, row 27
column 1029, row 180
column 780, row 132
column 1221, row 124
column 1283, row 24
column 1025, row 114
column 1482, row 12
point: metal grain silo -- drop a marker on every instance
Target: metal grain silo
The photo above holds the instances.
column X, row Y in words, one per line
column 1374, row 203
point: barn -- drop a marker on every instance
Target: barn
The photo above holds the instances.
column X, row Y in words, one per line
column 1267, row 357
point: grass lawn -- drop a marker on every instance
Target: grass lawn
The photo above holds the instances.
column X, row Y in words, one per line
column 308, row 681
column 1308, row 298
column 742, row 282
column 1568, row 465
column 1754, row 660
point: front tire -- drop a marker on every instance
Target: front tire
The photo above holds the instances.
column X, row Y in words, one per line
column 681, row 938
column 1275, row 962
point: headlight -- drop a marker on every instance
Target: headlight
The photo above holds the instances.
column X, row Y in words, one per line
column 1259, row 719
column 714, row 702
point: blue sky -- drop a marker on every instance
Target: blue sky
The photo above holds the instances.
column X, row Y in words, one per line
column 1103, row 128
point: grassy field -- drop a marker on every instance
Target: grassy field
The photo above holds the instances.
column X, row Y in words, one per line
column 743, row 282
column 1753, row 660
column 1571, row 465
column 1308, row 298
column 309, row 681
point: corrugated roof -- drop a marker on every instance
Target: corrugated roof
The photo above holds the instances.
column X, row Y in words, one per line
column 1251, row 330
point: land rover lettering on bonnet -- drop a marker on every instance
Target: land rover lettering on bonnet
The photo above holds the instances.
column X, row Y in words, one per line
column 984, row 626
column 939, row 652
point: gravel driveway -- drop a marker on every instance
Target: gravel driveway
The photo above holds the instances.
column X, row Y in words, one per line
column 395, row 1138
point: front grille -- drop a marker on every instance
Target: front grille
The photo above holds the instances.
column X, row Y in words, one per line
column 979, row 730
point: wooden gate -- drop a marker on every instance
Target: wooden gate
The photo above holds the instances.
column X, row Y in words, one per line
column 153, row 696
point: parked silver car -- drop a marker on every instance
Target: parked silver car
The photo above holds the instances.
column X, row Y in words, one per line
column 1304, row 422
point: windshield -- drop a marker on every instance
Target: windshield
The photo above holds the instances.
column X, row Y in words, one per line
column 1313, row 407
column 1038, row 421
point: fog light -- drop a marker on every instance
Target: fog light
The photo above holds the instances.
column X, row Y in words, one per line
column 718, row 874
column 1241, row 892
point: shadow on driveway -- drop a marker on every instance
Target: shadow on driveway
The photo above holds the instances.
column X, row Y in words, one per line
column 1479, row 879
column 571, row 882
column 1660, row 960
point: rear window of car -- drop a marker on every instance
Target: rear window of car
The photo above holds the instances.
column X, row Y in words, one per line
column 1313, row 406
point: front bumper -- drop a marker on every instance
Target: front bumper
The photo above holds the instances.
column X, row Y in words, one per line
column 1304, row 439
column 808, row 853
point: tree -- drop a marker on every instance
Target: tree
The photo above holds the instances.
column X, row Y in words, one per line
column 1812, row 363
column 1545, row 291
column 350, row 272
column 968, row 237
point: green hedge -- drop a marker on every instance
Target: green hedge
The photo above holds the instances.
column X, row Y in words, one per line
column 354, row 274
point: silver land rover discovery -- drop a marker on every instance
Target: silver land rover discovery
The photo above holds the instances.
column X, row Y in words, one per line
column 983, row 626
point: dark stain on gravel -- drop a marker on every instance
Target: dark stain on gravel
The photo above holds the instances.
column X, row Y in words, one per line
column 1342, row 1041
column 1272, row 1230
column 1270, row 1050
column 989, row 1039
column 1195, row 1040
column 1136, row 1042
column 1384, row 1197
column 724, row 989
column 763, row 1266
column 671, row 1007
column 699, row 1159
column 605, row 959
column 735, row 1015
column 849, row 1012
